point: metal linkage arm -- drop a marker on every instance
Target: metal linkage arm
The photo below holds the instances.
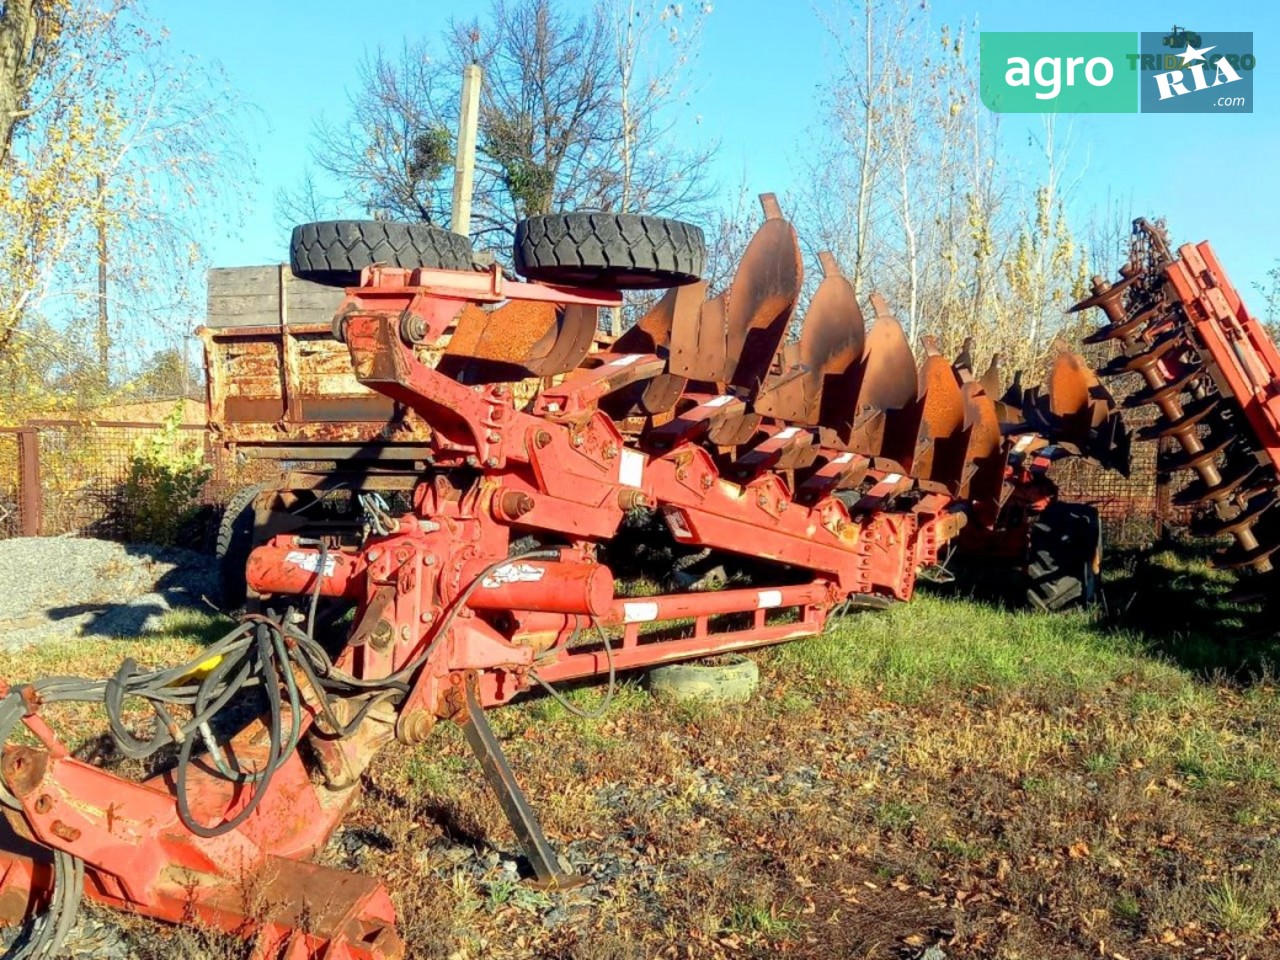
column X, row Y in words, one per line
column 546, row 864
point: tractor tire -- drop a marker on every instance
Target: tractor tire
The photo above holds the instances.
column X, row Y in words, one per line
column 699, row 683
column 333, row 252
column 235, row 543
column 619, row 251
column 1064, row 557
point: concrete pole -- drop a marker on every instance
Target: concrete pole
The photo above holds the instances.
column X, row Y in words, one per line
column 464, row 167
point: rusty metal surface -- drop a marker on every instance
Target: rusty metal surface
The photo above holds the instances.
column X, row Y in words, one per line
column 889, row 382
column 761, row 301
column 832, row 337
column 270, row 390
column 503, row 336
column 986, row 453
column 678, row 307
column 942, row 440
column 518, row 340
column 738, row 332
column 699, row 342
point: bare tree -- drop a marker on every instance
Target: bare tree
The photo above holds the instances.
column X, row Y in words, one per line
column 553, row 135
column 919, row 198
column 852, row 149
column 655, row 45
column 547, row 117
column 391, row 152
column 304, row 204
column 111, row 189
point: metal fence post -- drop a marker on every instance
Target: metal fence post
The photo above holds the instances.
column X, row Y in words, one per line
column 30, row 494
column 1163, row 447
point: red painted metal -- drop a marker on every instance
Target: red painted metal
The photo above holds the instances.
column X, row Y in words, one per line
column 541, row 586
column 285, row 567
column 1213, row 375
column 1244, row 355
column 444, row 596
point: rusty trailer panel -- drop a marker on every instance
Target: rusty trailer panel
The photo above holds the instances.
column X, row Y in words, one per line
column 281, row 387
column 289, row 385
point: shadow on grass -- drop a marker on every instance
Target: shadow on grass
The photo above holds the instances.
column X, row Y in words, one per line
column 1184, row 610
column 1167, row 595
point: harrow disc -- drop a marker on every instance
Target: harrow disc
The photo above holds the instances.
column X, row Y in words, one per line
column 739, row 332
column 889, row 382
column 1176, row 317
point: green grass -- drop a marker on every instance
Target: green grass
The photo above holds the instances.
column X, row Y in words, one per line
column 1238, row 909
column 756, row 918
column 910, row 650
column 1101, row 777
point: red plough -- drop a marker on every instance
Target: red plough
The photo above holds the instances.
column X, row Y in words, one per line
column 838, row 467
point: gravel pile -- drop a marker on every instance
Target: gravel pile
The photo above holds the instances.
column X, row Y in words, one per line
column 95, row 936
column 72, row 586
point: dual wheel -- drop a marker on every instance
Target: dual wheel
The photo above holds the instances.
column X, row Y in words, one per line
column 620, row 251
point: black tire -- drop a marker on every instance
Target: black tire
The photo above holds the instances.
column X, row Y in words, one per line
column 621, row 251
column 235, row 542
column 333, row 252
column 1064, row 557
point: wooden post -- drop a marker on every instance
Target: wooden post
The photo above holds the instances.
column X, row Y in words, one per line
column 104, row 328
column 464, row 166
column 30, row 494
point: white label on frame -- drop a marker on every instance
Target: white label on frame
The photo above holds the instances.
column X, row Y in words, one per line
column 767, row 599
column 631, row 468
column 639, row 612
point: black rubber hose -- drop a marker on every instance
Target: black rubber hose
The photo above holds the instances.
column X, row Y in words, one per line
column 274, row 756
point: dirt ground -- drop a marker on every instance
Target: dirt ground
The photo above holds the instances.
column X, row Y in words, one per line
column 949, row 778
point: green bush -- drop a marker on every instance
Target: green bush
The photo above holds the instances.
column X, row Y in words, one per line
column 167, row 472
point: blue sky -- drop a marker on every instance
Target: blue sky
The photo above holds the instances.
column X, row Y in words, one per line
column 762, row 70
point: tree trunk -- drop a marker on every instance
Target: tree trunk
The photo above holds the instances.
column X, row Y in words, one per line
column 864, row 172
column 909, row 234
column 18, row 24
column 104, row 326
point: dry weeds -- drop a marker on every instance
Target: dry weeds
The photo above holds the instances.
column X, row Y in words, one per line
column 1003, row 784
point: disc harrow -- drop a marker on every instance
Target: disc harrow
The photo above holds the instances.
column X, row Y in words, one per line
column 1211, row 372
column 835, row 468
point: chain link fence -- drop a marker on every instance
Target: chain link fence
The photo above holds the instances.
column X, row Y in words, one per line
column 60, row 477
column 1138, row 508
column 70, row 477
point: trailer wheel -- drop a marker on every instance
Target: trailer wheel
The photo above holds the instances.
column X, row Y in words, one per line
column 235, row 542
column 333, row 252
column 1065, row 557
column 622, row 251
